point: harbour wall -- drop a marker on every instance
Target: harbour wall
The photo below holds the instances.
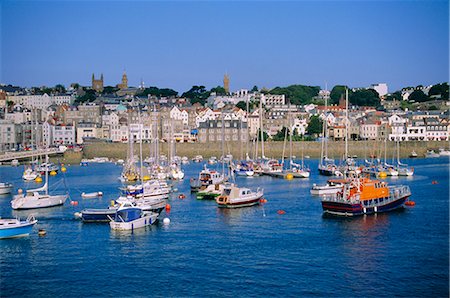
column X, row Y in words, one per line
column 363, row 149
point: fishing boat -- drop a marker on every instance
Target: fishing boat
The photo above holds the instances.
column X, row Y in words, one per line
column 332, row 187
column 91, row 195
column 210, row 192
column 362, row 196
column 5, row 188
column 14, row 227
column 413, row 154
column 206, row 177
column 29, row 174
column 236, row 197
column 131, row 218
column 37, row 198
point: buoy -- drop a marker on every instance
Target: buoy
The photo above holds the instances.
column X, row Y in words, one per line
column 74, row 203
column 112, row 203
column 281, row 212
column 52, row 173
column 146, row 178
column 77, row 215
column 434, row 182
column 410, row 203
column 289, row 176
column 382, row 175
column 166, row 221
column 168, row 207
column 262, row 201
column 63, row 169
column 38, row 179
column 42, row 232
column 181, row 196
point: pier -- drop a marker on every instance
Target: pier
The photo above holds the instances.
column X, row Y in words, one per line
column 28, row 154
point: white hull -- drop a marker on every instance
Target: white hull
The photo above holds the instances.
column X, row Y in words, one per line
column 148, row 219
column 91, row 195
column 5, row 189
column 35, row 200
column 325, row 190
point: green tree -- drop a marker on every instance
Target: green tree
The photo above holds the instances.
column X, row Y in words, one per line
column 197, row 94
column 110, row 90
column 297, row 94
column 89, row 96
column 265, row 135
column 439, row 89
column 60, row 88
column 315, row 125
column 242, row 105
column 365, row 97
column 418, row 96
column 337, row 92
column 397, row 95
column 254, row 89
column 279, row 136
column 219, row 90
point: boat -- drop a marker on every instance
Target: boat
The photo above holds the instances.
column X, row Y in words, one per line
column 120, row 162
column 37, row 198
column 413, row 154
column 29, row 174
column 403, row 169
column 130, row 172
column 175, row 172
column 431, row 154
column 243, row 169
column 185, row 160
column 84, row 162
column 15, row 163
column 362, row 196
column 205, row 178
column 212, row 160
column 91, row 195
column 197, row 158
column 131, row 218
column 47, row 167
column 236, row 197
column 96, row 215
column 210, row 192
column 5, row 188
column 326, row 167
column 14, row 227
column 332, row 187
column 444, row 152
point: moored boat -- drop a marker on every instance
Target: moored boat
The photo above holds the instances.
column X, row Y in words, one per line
column 362, row 196
column 14, row 227
column 29, row 174
column 206, row 177
column 5, row 188
column 413, row 154
column 131, row 218
column 431, row 154
column 236, row 197
column 91, row 195
column 333, row 186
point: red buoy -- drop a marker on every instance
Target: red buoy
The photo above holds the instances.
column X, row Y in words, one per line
column 167, row 207
column 181, row 196
column 262, row 201
column 410, row 203
column 281, row 212
column 434, row 182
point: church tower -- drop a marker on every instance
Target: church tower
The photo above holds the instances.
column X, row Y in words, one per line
column 226, row 83
column 97, row 85
column 124, row 84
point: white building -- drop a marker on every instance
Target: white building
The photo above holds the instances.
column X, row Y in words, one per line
column 63, row 135
column 381, row 88
column 299, row 126
column 177, row 114
column 10, row 135
column 369, row 130
column 273, row 99
column 41, row 101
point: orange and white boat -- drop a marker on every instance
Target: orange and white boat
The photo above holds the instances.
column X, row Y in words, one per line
column 365, row 196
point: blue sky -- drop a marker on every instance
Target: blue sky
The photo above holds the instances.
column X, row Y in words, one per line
column 178, row 44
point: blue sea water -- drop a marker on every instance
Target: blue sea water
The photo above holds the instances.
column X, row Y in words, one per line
column 248, row 252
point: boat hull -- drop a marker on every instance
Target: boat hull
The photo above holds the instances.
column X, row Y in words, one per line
column 135, row 224
column 348, row 209
column 46, row 202
column 326, row 172
column 5, row 190
column 97, row 215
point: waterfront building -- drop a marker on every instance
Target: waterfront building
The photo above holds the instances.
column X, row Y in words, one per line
column 63, row 134
column 88, row 112
column 369, row 129
column 88, row 130
column 436, row 130
column 10, row 135
column 212, row 130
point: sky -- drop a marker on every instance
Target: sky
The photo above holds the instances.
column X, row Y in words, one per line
column 178, row 44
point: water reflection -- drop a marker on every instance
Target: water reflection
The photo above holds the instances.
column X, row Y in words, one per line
column 132, row 234
column 236, row 215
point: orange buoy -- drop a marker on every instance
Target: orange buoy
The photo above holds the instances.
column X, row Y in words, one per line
column 262, row 201
column 434, row 182
column 168, row 207
column 181, row 196
column 74, row 203
column 410, row 203
column 281, row 212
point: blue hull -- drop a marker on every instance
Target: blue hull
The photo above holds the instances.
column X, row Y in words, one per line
column 97, row 215
column 16, row 232
column 346, row 209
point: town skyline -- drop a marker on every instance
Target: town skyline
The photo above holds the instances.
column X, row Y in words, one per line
column 263, row 44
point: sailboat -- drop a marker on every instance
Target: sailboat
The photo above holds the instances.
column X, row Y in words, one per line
column 403, row 169
column 30, row 174
column 130, row 172
column 175, row 171
column 326, row 166
column 37, row 198
column 296, row 170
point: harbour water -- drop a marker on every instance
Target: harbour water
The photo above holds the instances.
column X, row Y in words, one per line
column 206, row 251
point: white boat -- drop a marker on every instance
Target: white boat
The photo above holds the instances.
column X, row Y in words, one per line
column 120, row 162
column 185, row 160
column 197, row 158
column 176, row 172
column 131, row 218
column 14, row 162
column 5, row 188
column 413, row 154
column 205, row 178
column 29, row 174
column 431, row 154
column 236, row 197
column 14, row 227
column 47, row 167
column 332, row 187
column 91, row 195
column 212, row 160
column 444, row 152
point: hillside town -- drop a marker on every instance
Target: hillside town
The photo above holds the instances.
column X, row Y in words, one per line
column 56, row 116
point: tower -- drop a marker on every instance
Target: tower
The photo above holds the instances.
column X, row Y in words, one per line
column 226, row 83
column 124, row 84
column 97, row 85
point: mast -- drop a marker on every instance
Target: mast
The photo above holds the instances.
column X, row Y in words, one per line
column 141, row 174
column 247, row 131
column 325, row 133
column 261, row 129
column 346, row 123
column 223, row 146
column 290, row 140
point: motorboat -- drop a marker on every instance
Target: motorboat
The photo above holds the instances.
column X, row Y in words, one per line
column 14, row 227
column 212, row 160
column 84, row 162
column 131, row 218
column 413, row 154
column 91, row 195
column 243, row 169
column 29, row 174
column 431, row 154
column 185, row 160
column 235, row 197
column 96, row 215
column 360, row 196
column 175, row 172
column 47, row 167
column 206, row 177
column 5, row 188
column 15, row 163
column 332, row 187
column 210, row 192
column 197, row 158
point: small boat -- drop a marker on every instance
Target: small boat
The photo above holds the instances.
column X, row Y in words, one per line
column 185, row 160
column 47, row 167
column 332, row 187
column 205, row 178
column 235, row 197
column 120, row 161
column 91, row 195
column 197, row 158
column 14, row 162
column 14, row 227
column 131, row 218
column 5, row 188
column 97, row 215
column 212, row 160
column 444, row 152
column 413, row 154
column 30, row 175
column 210, row 192
column 84, row 163
column 360, row 196
column 431, row 154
